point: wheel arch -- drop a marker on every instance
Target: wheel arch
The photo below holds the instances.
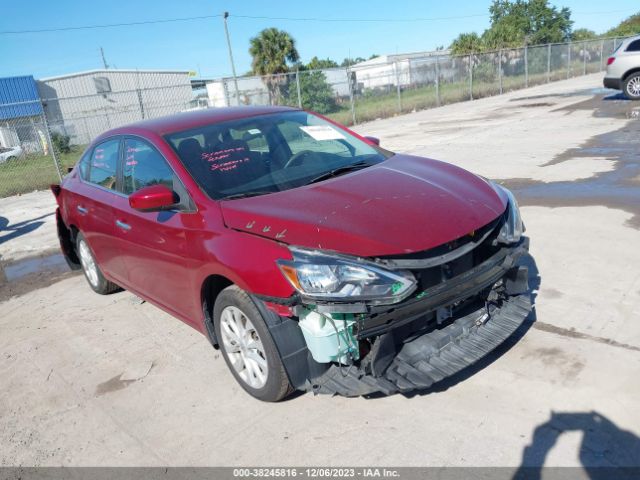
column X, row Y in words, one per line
column 67, row 237
column 211, row 287
column 630, row 72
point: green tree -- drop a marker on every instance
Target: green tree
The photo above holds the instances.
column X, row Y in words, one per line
column 315, row 92
column 347, row 62
column 271, row 51
column 628, row 27
column 467, row 43
column 582, row 34
column 317, row 64
column 516, row 22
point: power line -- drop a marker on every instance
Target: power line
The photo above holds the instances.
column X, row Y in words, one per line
column 251, row 17
column 259, row 17
column 108, row 25
column 385, row 20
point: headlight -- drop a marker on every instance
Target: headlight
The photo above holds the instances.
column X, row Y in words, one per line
column 513, row 228
column 321, row 276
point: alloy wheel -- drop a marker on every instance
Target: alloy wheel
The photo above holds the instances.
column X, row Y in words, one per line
column 633, row 86
column 88, row 263
column 244, row 347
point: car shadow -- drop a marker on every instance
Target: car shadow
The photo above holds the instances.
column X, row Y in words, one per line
column 445, row 384
column 21, row 228
column 606, row 450
column 616, row 96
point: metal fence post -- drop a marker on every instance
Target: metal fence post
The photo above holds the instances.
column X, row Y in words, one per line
column 500, row 69
column 395, row 69
column 584, row 58
column 298, row 88
column 470, row 77
column 437, row 80
column 526, row 66
column 548, row 63
column 225, row 87
column 351, row 95
column 601, row 54
column 54, row 155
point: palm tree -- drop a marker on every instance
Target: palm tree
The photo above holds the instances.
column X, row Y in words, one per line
column 271, row 49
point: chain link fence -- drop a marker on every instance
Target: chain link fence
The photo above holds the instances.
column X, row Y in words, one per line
column 39, row 143
column 40, row 140
column 397, row 84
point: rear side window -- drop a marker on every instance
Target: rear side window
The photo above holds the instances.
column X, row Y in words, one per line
column 144, row 166
column 103, row 164
column 634, row 46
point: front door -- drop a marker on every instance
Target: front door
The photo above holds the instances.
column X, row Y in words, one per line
column 154, row 245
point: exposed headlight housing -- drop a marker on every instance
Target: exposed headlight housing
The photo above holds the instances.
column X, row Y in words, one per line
column 513, row 228
column 320, row 276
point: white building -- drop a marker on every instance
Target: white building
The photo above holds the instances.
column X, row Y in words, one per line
column 85, row 104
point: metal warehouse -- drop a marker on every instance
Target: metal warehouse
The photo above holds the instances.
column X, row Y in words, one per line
column 20, row 113
column 83, row 105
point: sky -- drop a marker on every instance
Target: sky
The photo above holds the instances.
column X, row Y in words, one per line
column 200, row 45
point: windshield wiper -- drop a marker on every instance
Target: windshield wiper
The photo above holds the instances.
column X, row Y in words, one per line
column 255, row 193
column 340, row 170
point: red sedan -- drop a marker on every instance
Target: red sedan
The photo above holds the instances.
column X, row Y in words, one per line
column 312, row 257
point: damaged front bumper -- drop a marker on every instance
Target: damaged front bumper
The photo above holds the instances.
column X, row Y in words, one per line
column 432, row 335
column 429, row 358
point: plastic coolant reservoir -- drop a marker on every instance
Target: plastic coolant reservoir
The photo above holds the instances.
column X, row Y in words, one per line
column 324, row 343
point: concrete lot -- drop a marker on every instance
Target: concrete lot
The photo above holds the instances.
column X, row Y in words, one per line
column 91, row 380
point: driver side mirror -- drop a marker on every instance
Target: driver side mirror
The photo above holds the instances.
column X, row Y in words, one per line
column 374, row 140
column 153, row 198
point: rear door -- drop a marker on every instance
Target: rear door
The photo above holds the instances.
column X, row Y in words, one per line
column 91, row 204
column 153, row 245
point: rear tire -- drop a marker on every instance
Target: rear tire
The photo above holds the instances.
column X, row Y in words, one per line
column 247, row 346
column 91, row 270
column 631, row 86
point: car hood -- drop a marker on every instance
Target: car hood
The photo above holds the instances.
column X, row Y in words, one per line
column 402, row 205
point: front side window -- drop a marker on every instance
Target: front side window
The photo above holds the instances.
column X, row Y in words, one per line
column 103, row 164
column 143, row 167
column 269, row 153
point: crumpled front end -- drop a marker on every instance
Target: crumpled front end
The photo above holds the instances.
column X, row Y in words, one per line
column 469, row 297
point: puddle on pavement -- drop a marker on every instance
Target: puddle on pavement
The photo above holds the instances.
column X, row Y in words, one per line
column 23, row 276
column 618, row 188
column 53, row 263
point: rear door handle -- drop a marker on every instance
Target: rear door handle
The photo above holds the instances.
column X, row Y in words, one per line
column 122, row 225
column 82, row 210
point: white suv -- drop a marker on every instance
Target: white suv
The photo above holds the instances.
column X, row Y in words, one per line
column 623, row 68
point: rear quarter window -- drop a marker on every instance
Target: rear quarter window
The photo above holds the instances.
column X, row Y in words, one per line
column 634, row 46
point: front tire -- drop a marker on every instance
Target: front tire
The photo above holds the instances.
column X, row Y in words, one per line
column 632, row 86
column 247, row 346
column 91, row 270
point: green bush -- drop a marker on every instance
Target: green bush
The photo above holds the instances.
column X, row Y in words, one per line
column 315, row 92
column 62, row 143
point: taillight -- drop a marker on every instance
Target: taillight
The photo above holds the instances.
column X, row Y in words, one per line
column 610, row 60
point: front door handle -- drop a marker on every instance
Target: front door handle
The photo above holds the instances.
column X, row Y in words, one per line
column 122, row 225
column 82, row 210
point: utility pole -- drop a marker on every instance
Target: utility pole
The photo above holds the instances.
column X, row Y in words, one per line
column 233, row 67
column 104, row 60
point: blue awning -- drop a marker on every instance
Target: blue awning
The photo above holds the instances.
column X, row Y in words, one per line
column 19, row 97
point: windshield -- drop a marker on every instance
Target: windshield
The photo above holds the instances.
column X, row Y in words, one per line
column 269, row 153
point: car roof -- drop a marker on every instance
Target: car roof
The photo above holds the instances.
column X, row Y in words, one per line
column 193, row 119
